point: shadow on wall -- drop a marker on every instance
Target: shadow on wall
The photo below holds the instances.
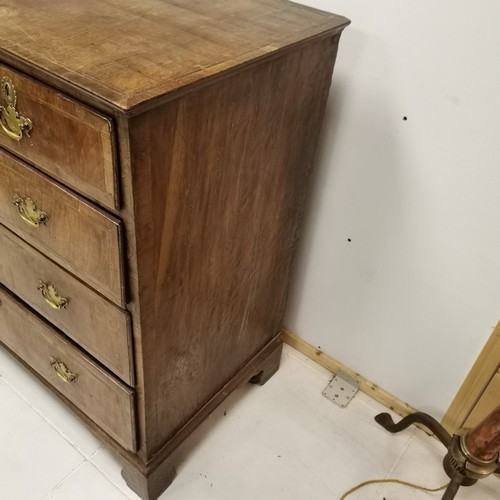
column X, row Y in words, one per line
column 397, row 273
column 355, row 194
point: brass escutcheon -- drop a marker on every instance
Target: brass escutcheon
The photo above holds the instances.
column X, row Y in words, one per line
column 12, row 123
column 51, row 295
column 29, row 213
column 62, row 371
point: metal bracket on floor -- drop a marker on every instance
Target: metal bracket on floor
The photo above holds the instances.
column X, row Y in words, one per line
column 341, row 389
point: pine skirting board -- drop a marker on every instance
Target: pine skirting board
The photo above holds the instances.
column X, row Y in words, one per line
column 373, row 390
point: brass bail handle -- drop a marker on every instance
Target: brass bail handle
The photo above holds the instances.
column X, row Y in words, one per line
column 62, row 371
column 28, row 211
column 13, row 124
column 51, row 296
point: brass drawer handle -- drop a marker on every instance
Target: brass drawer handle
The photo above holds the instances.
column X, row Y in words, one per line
column 13, row 124
column 29, row 213
column 62, row 371
column 51, row 296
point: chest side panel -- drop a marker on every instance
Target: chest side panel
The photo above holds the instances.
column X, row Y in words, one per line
column 219, row 179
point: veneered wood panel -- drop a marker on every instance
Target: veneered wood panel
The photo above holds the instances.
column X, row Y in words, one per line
column 108, row 402
column 77, row 235
column 219, row 180
column 68, row 141
column 217, row 107
column 132, row 52
column 96, row 324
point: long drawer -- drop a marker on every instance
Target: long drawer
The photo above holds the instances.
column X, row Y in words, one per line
column 74, row 233
column 100, row 327
column 108, row 402
column 58, row 135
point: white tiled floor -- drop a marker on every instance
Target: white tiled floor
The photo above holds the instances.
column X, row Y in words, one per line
column 280, row 441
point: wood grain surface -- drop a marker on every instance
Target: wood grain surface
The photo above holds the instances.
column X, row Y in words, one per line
column 130, row 52
column 151, row 481
column 221, row 177
column 481, row 374
column 68, row 141
column 77, row 235
column 489, row 400
column 108, row 402
column 216, row 110
column 93, row 322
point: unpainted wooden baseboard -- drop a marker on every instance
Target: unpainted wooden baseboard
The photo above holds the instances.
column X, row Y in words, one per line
column 373, row 390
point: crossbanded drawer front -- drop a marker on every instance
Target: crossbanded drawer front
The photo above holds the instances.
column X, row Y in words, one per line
column 105, row 400
column 101, row 328
column 58, row 135
column 77, row 235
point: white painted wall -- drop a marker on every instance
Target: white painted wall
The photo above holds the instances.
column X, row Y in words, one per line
column 412, row 299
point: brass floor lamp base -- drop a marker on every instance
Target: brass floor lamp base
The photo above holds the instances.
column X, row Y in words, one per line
column 463, row 466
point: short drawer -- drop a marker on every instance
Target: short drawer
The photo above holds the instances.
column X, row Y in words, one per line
column 105, row 400
column 58, row 135
column 79, row 236
column 96, row 324
column 108, row 402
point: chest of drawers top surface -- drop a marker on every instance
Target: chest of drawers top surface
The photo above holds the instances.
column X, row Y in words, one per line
column 128, row 52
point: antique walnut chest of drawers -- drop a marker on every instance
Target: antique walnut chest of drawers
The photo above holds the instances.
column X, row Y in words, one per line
column 154, row 159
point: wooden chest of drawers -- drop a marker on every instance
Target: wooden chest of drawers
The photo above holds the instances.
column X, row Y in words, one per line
column 154, row 161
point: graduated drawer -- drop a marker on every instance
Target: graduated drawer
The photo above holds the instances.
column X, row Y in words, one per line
column 93, row 322
column 74, row 233
column 105, row 400
column 66, row 140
